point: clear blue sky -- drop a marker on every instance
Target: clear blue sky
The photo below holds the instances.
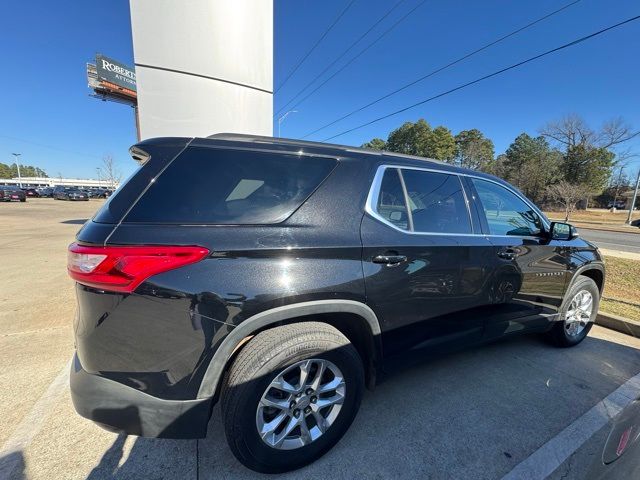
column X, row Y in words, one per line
column 48, row 116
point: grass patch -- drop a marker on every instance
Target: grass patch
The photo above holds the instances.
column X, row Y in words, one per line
column 623, row 279
column 602, row 216
column 625, row 310
column 622, row 283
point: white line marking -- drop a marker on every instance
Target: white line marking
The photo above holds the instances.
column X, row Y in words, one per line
column 10, row 454
column 544, row 461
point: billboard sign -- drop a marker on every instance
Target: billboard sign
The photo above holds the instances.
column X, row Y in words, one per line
column 116, row 73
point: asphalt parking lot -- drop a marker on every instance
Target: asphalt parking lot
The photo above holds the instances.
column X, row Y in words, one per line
column 518, row 408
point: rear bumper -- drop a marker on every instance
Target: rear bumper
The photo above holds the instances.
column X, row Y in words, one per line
column 117, row 407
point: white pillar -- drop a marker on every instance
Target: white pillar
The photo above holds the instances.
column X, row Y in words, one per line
column 203, row 66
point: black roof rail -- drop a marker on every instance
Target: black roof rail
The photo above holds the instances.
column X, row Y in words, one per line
column 244, row 137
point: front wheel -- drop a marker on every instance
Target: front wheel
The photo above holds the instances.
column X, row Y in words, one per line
column 290, row 395
column 577, row 314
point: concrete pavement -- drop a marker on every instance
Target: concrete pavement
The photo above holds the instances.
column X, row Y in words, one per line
column 475, row 414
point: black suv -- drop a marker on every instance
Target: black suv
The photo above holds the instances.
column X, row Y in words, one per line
column 280, row 277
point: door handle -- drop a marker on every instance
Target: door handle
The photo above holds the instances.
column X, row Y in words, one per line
column 389, row 259
column 507, row 253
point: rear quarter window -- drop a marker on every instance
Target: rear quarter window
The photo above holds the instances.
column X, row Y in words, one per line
column 230, row 187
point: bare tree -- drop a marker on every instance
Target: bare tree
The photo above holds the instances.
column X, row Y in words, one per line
column 109, row 171
column 615, row 132
column 571, row 131
column 567, row 195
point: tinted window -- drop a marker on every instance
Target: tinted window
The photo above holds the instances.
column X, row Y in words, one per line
column 507, row 214
column 391, row 205
column 214, row 186
column 437, row 202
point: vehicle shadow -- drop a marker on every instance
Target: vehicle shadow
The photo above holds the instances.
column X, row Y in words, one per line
column 472, row 414
column 134, row 458
column 75, row 221
column 12, row 466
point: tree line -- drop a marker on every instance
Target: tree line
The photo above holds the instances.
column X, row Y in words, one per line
column 11, row 171
column 567, row 162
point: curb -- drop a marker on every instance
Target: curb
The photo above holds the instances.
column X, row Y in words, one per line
column 619, row 324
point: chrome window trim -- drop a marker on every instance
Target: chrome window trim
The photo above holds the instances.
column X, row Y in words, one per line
column 374, row 194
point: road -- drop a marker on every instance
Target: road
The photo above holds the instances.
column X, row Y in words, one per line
column 626, row 242
column 488, row 412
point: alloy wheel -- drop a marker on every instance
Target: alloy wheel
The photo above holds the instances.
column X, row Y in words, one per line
column 578, row 314
column 300, row 404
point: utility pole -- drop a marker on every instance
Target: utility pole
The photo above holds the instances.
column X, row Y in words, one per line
column 633, row 199
column 17, row 156
column 282, row 119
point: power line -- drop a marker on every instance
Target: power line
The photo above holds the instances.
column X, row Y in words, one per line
column 326, row 32
column 478, row 80
column 50, row 147
column 440, row 69
column 342, row 54
column 361, row 52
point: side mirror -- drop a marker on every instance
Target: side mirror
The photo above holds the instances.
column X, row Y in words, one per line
column 563, row 231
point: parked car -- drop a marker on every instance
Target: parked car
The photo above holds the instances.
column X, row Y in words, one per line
column 11, row 193
column 45, row 192
column 31, row 192
column 70, row 194
column 287, row 275
column 620, row 454
column 99, row 193
column 618, row 205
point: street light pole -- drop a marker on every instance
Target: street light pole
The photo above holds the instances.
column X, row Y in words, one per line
column 17, row 156
column 633, row 199
column 282, row 119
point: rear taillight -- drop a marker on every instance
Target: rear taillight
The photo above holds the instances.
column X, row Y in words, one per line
column 122, row 269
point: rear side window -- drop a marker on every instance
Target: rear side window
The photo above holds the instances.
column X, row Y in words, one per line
column 215, row 186
column 391, row 205
column 436, row 202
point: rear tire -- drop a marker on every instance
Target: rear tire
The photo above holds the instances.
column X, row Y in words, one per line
column 577, row 314
column 264, row 361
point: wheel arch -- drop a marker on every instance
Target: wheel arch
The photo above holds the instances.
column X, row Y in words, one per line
column 353, row 319
column 594, row 271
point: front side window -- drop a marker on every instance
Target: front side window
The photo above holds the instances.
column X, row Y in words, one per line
column 507, row 214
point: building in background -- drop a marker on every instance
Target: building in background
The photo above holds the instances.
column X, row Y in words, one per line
column 203, row 67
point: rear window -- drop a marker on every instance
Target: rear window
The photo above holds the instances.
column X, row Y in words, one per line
column 214, row 186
